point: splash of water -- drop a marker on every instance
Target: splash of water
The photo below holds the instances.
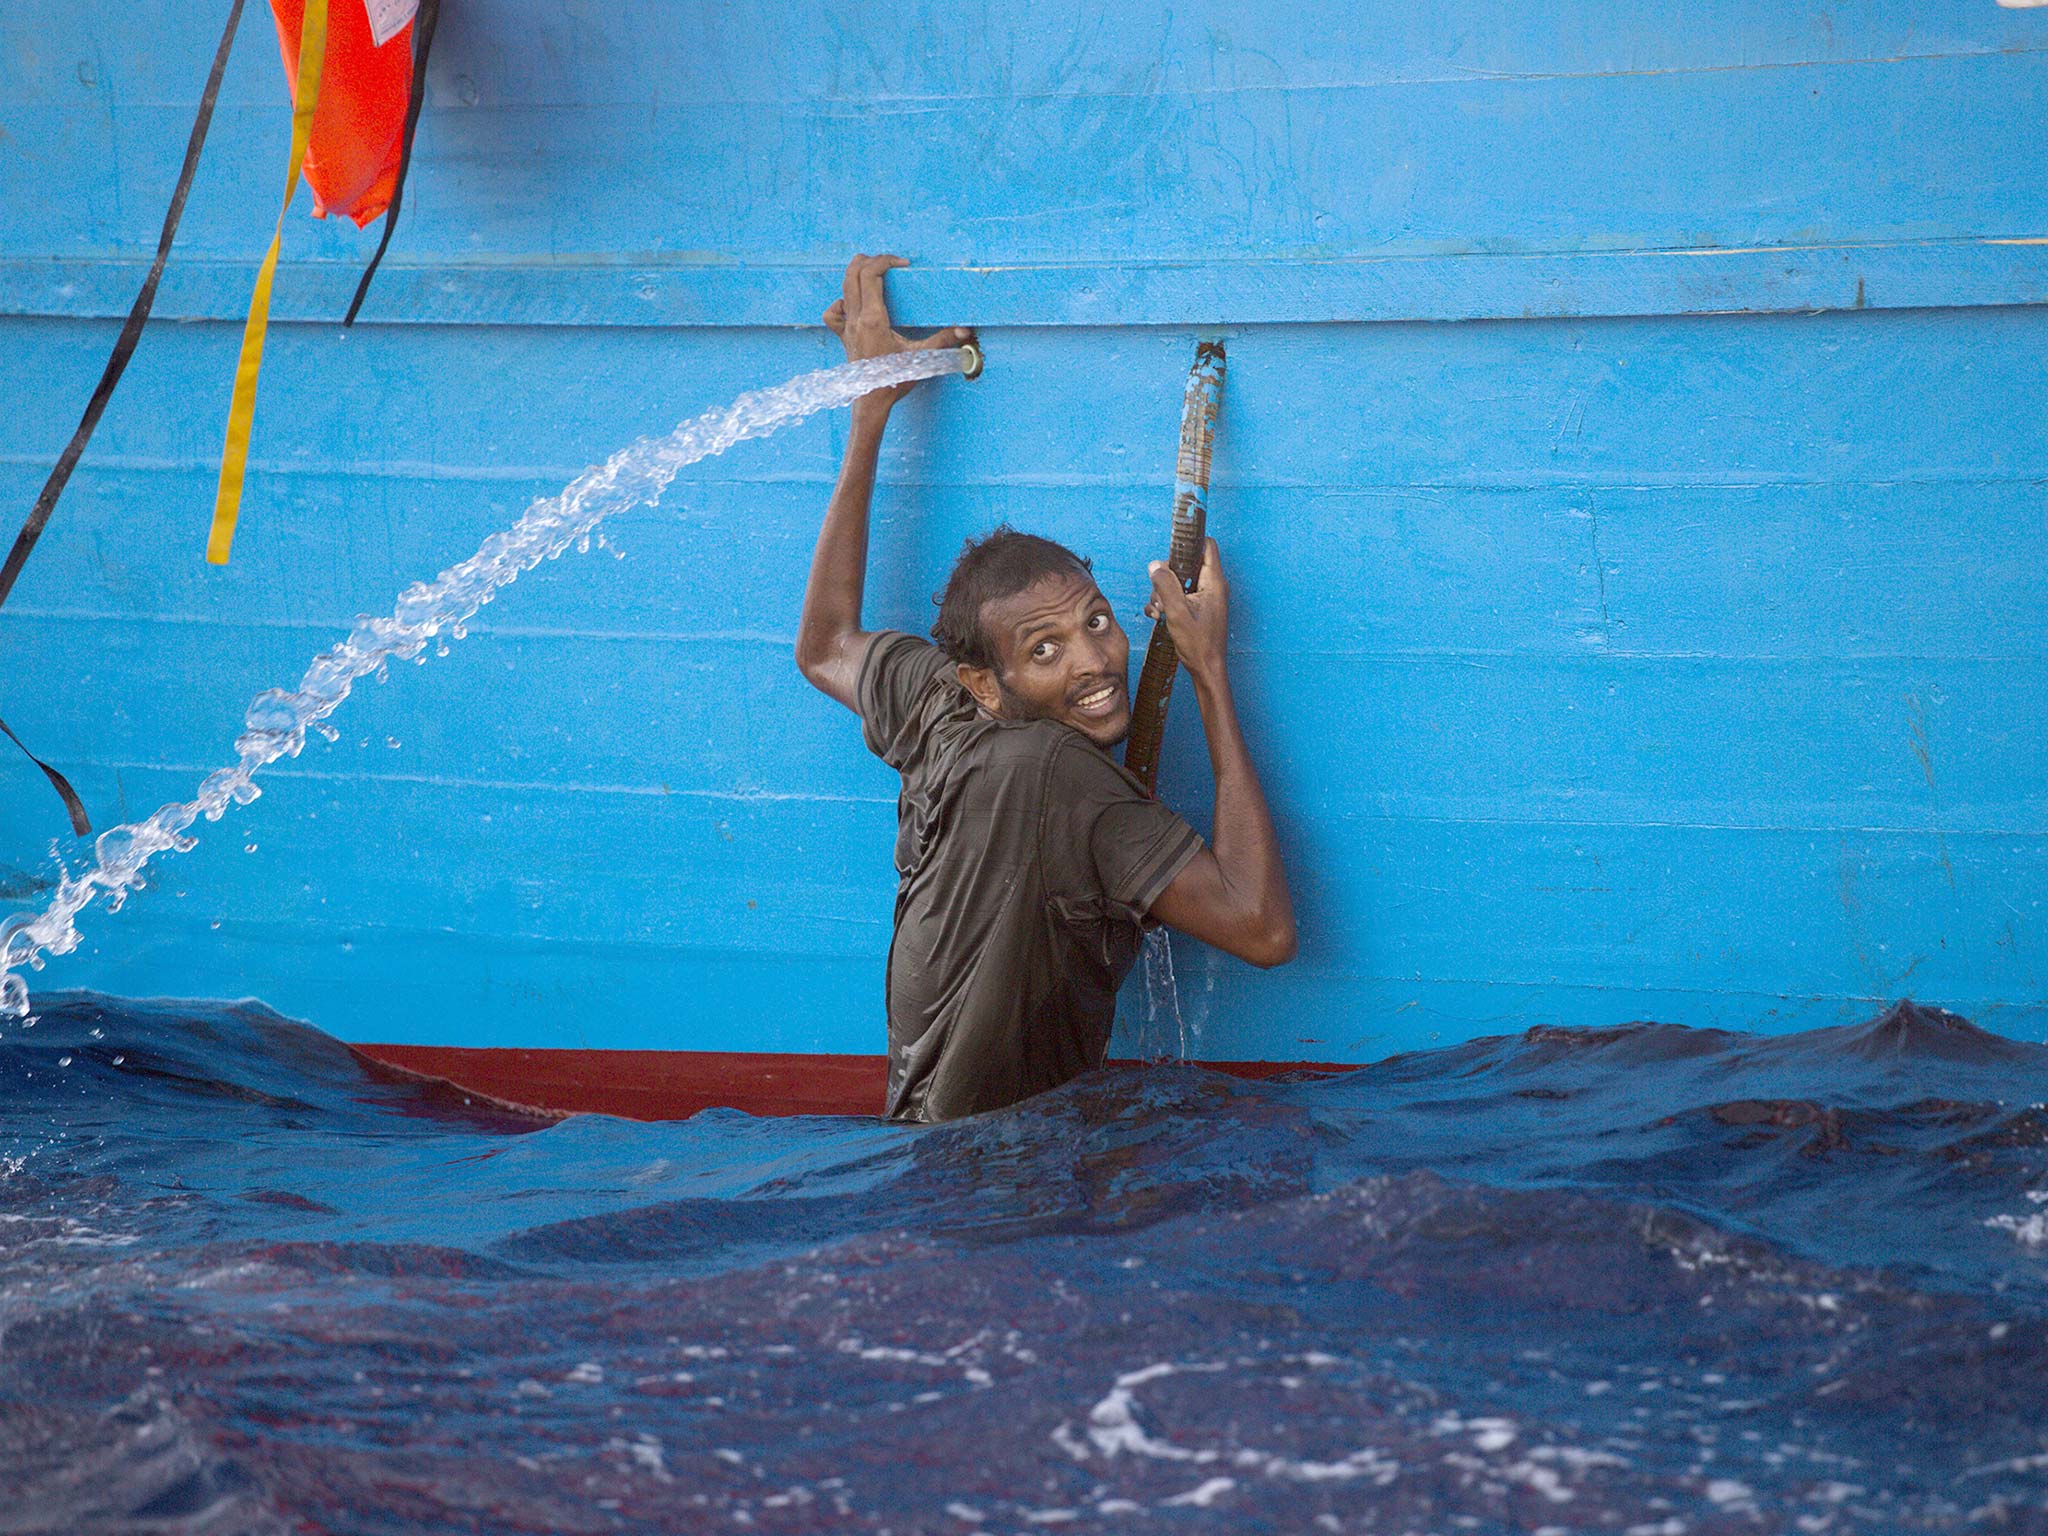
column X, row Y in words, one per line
column 277, row 719
column 1165, row 1032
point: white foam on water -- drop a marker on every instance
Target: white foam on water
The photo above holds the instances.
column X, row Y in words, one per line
column 1113, row 1429
column 2028, row 1231
column 277, row 720
column 20, row 1232
column 1203, row 1496
column 1500, row 1451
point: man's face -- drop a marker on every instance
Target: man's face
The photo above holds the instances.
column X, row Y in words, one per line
column 1061, row 655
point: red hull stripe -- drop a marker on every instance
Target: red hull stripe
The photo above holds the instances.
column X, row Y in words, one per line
column 672, row 1085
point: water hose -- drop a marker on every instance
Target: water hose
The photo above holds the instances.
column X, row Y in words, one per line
column 1190, row 525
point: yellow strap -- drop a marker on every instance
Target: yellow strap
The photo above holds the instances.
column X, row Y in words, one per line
column 227, row 502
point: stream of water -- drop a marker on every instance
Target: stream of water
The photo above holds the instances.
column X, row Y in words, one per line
column 278, row 718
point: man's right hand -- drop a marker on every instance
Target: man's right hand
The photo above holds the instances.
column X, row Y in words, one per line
column 860, row 319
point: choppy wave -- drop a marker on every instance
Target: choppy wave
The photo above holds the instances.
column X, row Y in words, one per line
column 1644, row 1279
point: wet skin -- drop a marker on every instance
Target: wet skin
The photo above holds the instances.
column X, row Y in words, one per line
column 1060, row 655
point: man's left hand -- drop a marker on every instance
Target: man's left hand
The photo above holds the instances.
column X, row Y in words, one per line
column 1199, row 621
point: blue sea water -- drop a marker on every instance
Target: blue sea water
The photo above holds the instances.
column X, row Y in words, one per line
column 1646, row 1280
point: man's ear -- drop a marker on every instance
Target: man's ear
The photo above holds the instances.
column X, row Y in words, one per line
column 981, row 682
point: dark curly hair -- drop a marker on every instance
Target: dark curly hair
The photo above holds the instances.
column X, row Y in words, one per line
column 1000, row 564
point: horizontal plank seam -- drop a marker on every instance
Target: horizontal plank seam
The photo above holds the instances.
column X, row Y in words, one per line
column 557, row 476
column 338, row 931
column 831, row 105
column 639, row 262
column 329, row 931
column 298, row 771
column 1590, row 652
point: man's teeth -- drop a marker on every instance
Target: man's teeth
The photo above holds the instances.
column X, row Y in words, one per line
column 1099, row 697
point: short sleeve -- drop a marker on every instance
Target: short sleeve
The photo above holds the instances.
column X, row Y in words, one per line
column 894, row 676
column 1112, row 835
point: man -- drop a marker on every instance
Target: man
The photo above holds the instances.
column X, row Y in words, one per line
column 1030, row 861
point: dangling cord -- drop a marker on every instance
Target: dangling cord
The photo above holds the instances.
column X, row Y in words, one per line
column 57, row 782
column 117, row 364
column 422, row 40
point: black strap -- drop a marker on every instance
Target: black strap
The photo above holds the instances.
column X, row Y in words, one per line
column 57, row 781
column 422, row 39
column 124, row 348
column 131, row 333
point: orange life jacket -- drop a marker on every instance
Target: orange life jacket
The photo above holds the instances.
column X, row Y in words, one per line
column 359, row 122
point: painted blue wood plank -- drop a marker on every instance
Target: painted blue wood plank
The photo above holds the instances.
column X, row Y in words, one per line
column 1784, row 278
column 1774, row 570
column 1299, row 1016
column 629, row 160
column 1446, row 166
column 1499, row 899
column 909, row 51
column 406, row 990
column 405, row 986
column 1608, row 916
column 1732, row 400
column 1641, row 741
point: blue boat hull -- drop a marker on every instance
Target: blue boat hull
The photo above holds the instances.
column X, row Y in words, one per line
column 1665, row 638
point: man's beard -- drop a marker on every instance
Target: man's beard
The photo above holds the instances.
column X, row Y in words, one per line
column 1017, row 707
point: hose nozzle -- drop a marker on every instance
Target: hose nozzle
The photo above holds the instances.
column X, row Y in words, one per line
column 970, row 360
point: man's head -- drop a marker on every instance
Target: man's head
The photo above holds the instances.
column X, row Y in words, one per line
column 1033, row 636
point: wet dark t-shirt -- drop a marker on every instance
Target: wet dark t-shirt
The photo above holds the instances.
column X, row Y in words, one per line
column 1027, row 860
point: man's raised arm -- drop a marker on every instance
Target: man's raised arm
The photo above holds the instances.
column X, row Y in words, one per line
column 829, row 640
column 1232, row 894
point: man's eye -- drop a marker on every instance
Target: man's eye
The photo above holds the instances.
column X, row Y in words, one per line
column 1042, row 651
column 1099, row 622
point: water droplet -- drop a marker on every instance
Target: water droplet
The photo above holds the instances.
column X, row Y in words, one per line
column 216, row 922
column 63, row 1061
column 248, row 847
column 441, row 649
column 327, row 730
column 98, row 1033
column 391, row 741
column 119, row 1060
